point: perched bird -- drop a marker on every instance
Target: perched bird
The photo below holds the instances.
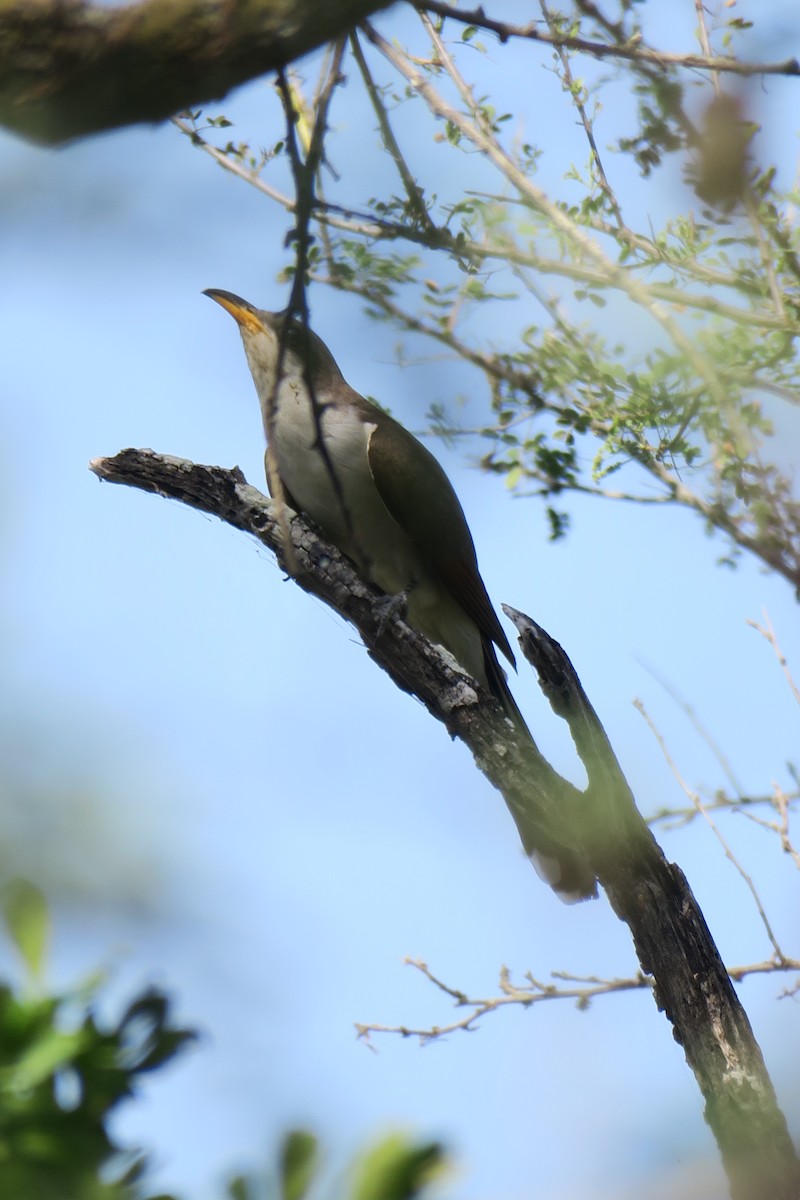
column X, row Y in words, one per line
column 385, row 502
column 376, row 492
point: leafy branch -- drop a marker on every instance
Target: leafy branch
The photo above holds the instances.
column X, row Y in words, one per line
column 632, row 51
column 685, row 419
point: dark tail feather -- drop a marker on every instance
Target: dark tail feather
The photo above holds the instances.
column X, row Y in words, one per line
column 498, row 686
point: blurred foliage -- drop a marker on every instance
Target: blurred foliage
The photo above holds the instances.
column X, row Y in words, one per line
column 394, row 1167
column 64, row 1071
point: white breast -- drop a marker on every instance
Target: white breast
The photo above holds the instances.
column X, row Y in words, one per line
column 354, row 517
column 333, row 486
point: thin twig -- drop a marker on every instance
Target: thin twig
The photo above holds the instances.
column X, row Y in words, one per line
column 540, row 202
column 584, row 989
column 349, row 220
column 586, row 122
column 304, row 173
column 677, row 491
column 685, row 707
column 415, row 197
column 703, row 38
column 768, row 632
column 630, row 51
column 697, row 802
column 675, row 817
column 783, row 803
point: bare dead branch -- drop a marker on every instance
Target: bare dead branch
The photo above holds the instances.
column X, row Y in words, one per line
column 581, row 989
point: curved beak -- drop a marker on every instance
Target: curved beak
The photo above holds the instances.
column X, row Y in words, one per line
column 243, row 312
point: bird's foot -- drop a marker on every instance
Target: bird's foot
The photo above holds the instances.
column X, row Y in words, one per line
column 389, row 608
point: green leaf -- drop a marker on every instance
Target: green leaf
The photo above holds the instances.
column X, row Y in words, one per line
column 397, row 1169
column 27, row 920
column 298, row 1163
column 239, row 1188
column 51, row 1052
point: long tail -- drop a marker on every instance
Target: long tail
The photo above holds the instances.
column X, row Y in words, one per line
column 498, row 686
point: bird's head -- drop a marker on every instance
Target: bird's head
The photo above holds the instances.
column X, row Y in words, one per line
column 271, row 337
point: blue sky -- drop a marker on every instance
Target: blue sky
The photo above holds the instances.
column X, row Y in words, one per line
column 221, row 793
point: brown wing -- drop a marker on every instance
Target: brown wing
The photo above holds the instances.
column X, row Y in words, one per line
column 420, row 497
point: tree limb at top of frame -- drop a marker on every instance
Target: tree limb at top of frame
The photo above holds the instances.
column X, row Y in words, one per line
column 70, row 68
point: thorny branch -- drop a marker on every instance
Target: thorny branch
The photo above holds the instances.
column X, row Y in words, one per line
column 630, row 52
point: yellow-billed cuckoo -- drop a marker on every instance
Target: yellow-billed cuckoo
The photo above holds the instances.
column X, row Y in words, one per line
column 385, row 502
column 376, row 492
